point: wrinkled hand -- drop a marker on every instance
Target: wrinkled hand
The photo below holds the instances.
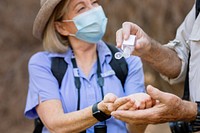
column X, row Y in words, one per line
column 169, row 108
column 143, row 41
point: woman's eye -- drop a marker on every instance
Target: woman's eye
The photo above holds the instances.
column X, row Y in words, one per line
column 95, row 2
column 80, row 9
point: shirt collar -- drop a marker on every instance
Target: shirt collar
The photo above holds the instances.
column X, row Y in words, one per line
column 104, row 53
column 67, row 55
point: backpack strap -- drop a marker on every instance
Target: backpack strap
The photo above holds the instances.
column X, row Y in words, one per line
column 58, row 68
column 118, row 65
column 38, row 126
column 197, row 7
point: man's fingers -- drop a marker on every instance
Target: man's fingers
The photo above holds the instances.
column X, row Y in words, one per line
column 149, row 104
column 129, row 116
column 158, row 95
column 139, row 44
column 119, row 38
column 122, row 115
column 126, row 29
column 136, row 117
column 129, row 28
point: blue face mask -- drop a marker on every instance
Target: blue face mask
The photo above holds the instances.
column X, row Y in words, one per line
column 91, row 25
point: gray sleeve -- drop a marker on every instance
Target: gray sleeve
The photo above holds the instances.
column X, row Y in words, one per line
column 181, row 45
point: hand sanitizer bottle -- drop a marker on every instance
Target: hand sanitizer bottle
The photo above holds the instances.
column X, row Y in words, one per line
column 127, row 47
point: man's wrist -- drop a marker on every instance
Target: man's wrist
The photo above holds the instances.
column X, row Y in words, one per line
column 148, row 55
column 189, row 111
column 196, row 123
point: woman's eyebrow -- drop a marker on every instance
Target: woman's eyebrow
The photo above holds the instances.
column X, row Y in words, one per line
column 77, row 3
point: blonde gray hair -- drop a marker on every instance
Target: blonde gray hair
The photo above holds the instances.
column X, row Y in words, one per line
column 52, row 40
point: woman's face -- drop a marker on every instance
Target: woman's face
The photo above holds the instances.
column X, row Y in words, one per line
column 74, row 8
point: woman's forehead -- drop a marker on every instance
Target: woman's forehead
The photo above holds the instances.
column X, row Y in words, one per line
column 74, row 3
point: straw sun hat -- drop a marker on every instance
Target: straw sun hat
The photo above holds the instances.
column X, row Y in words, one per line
column 47, row 7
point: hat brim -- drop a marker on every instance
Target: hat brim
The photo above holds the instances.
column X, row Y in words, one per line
column 43, row 17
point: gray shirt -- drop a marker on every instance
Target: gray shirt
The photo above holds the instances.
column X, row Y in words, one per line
column 188, row 39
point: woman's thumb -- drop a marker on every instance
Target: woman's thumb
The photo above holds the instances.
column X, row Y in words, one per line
column 110, row 98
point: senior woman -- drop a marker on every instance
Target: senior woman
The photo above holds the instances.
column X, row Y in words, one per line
column 73, row 29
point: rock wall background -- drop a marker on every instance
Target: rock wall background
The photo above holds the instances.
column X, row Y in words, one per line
column 158, row 18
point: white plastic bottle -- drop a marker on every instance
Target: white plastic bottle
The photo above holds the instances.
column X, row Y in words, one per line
column 127, row 47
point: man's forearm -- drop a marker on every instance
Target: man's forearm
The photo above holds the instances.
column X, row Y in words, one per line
column 163, row 60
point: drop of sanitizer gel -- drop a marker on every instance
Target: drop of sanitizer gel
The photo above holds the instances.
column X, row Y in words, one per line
column 127, row 47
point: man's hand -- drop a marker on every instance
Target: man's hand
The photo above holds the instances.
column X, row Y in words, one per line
column 156, row 55
column 143, row 41
column 169, row 108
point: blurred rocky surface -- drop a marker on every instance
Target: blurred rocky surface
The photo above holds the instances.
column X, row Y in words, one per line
column 158, row 18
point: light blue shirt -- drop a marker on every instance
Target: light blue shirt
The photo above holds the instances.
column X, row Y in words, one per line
column 42, row 83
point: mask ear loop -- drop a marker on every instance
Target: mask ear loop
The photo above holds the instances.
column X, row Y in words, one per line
column 72, row 35
column 66, row 21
